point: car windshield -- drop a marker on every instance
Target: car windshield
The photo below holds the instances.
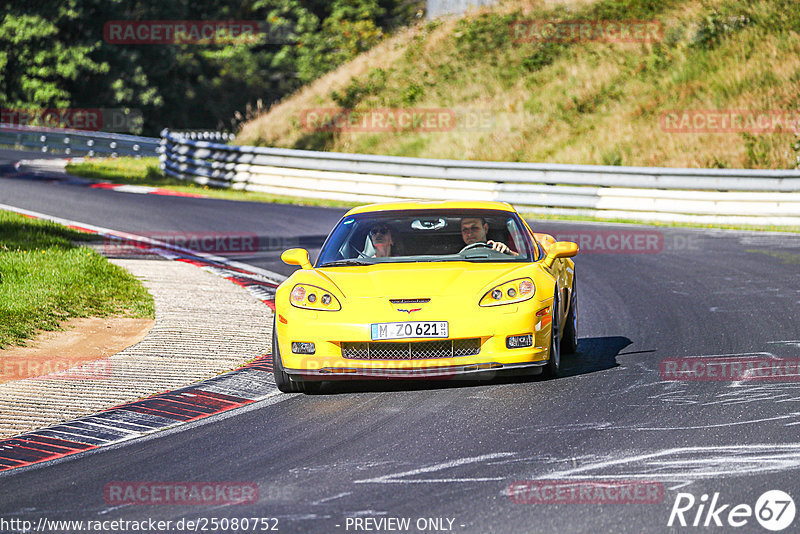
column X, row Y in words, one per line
column 428, row 236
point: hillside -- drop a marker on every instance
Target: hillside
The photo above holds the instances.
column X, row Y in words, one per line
column 499, row 91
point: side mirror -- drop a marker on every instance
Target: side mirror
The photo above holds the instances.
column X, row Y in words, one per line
column 296, row 256
column 560, row 249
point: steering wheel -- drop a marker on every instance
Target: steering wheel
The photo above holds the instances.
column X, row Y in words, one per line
column 475, row 245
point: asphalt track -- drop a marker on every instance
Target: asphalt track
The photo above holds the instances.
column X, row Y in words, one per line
column 450, row 450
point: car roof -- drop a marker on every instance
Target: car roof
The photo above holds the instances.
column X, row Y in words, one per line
column 433, row 205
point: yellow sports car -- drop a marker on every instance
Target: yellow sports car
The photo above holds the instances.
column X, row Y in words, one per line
column 425, row 289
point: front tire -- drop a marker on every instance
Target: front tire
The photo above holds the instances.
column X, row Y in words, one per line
column 282, row 380
column 553, row 367
column 569, row 342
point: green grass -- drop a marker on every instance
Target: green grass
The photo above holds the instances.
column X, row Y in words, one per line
column 145, row 171
column 46, row 279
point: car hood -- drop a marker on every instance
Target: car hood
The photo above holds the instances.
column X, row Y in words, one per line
column 420, row 280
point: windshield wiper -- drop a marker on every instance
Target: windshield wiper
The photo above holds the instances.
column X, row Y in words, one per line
column 345, row 262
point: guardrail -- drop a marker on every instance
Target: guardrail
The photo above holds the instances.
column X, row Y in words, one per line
column 722, row 196
column 77, row 142
column 204, row 135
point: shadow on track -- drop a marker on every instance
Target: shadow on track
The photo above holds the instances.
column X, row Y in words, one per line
column 594, row 354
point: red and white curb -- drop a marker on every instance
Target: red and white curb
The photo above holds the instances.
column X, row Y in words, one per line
column 142, row 190
column 235, row 389
column 250, row 383
column 55, row 169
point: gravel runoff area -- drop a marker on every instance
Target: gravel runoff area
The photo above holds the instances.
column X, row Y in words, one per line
column 204, row 325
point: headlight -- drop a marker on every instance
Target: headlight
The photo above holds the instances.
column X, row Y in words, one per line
column 313, row 298
column 509, row 293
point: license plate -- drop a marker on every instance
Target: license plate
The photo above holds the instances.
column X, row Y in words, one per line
column 409, row 329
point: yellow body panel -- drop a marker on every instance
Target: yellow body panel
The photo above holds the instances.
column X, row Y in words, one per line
column 454, row 288
column 433, row 204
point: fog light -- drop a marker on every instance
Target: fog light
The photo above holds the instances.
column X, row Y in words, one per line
column 517, row 342
column 512, row 292
column 303, row 347
column 312, row 298
column 326, row 299
column 497, row 294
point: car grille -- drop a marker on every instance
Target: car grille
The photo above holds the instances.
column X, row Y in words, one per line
column 383, row 350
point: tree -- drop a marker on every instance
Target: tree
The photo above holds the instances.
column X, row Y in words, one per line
column 53, row 55
column 39, row 67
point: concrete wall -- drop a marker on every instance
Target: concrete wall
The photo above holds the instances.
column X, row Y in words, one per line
column 436, row 8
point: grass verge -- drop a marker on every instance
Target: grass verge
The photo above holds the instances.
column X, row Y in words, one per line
column 46, row 279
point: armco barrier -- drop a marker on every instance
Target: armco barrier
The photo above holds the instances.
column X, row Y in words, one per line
column 764, row 197
column 76, row 143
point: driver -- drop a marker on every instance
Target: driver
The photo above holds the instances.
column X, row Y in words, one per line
column 474, row 229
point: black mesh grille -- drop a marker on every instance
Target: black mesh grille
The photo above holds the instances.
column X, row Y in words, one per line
column 420, row 350
column 466, row 347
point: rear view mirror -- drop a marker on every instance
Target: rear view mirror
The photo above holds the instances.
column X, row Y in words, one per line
column 429, row 224
column 560, row 249
column 296, row 256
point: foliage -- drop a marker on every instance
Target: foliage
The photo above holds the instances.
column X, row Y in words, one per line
column 358, row 89
column 38, row 62
column 715, row 26
column 53, row 55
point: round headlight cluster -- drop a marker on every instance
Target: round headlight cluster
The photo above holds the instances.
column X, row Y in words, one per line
column 298, row 294
column 311, row 297
column 511, row 292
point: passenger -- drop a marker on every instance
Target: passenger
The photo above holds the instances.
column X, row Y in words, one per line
column 474, row 230
column 381, row 237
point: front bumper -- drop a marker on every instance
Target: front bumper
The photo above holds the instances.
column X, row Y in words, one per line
column 468, row 371
column 491, row 326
